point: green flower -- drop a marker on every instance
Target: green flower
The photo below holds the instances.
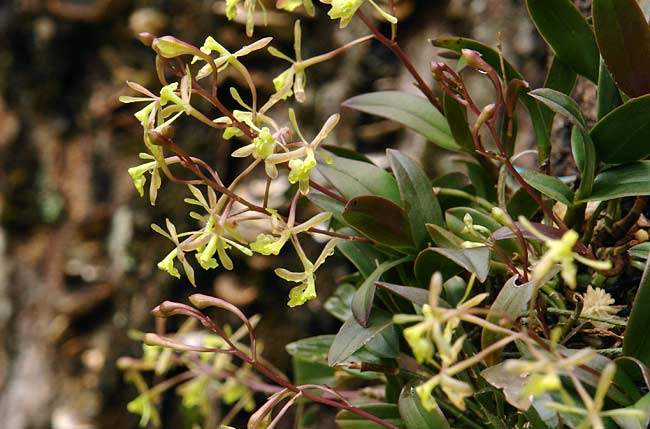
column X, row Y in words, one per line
column 231, row 9
column 291, row 5
column 344, row 10
column 167, row 264
column 267, row 244
column 262, row 146
column 417, row 336
column 137, row 174
column 299, row 170
column 306, row 291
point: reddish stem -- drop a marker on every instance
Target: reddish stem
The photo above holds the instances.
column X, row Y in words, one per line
column 397, row 50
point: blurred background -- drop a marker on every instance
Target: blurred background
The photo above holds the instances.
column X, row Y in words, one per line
column 77, row 255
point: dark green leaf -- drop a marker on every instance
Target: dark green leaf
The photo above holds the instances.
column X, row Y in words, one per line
column 327, row 204
column 562, row 104
column 476, row 260
column 339, row 304
column 364, row 256
column 306, row 372
column 387, row 412
column 356, row 178
column 636, row 342
column 352, row 336
column 522, row 204
column 456, row 115
column 627, row 180
column 511, row 302
column 443, row 238
column 584, row 154
column 512, row 385
column 483, row 183
column 567, row 32
column 410, row 110
column 624, row 40
column 429, row 261
column 609, row 98
column 379, row 219
column 414, row 415
column 624, row 134
column 549, row 186
column 416, row 295
column 420, row 203
column 561, row 78
column 312, row 349
column 386, row 344
column 365, row 295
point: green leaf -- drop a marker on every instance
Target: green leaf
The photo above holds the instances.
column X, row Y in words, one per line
column 567, row 32
column 456, row 115
column 624, row 134
column 338, row 305
column 562, row 78
column 327, row 204
column 443, row 238
column 624, row 40
column 352, row 336
column 420, row 203
column 476, row 260
column 636, row 342
column 356, row 178
column 584, row 154
column 380, row 220
column 511, row 301
column 386, row 344
column 414, row 415
column 512, row 385
column 364, row 256
column 306, row 372
column 387, row 412
column 640, row 251
column 549, row 186
column 627, row 180
column 416, row 295
column 312, row 349
column 428, row 262
column 643, row 405
column 609, row 98
column 522, row 204
column 483, row 183
column 562, row 104
column 365, row 295
column 410, row 110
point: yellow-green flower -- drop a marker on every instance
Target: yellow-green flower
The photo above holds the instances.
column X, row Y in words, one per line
column 306, row 291
column 262, row 146
column 231, row 9
column 418, row 338
column 344, row 10
column 299, row 170
column 291, row 5
column 137, row 174
column 267, row 244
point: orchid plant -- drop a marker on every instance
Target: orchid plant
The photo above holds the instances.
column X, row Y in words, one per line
column 481, row 300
